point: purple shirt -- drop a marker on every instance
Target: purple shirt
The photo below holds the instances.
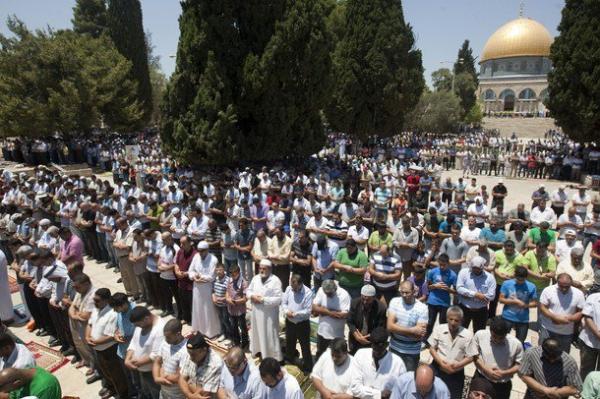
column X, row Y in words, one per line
column 420, row 286
column 259, row 211
column 71, row 250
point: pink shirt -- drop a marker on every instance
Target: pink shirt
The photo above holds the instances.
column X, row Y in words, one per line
column 71, row 250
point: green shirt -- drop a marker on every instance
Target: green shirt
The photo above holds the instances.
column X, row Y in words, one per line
column 359, row 260
column 155, row 214
column 547, row 265
column 508, row 265
column 44, row 385
column 376, row 241
column 537, row 235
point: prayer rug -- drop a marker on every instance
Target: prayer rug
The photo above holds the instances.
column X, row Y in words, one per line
column 47, row 358
column 12, row 283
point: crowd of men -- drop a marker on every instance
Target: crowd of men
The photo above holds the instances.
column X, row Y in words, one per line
column 387, row 259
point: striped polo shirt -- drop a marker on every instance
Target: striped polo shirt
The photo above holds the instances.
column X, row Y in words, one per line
column 220, row 288
column 407, row 316
column 340, row 227
column 388, row 265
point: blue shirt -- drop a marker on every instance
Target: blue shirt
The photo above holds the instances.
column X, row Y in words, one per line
column 324, row 257
column 405, row 388
column 436, row 296
column 488, row 234
column 468, row 284
column 126, row 328
column 300, row 303
column 407, row 316
column 525, row 292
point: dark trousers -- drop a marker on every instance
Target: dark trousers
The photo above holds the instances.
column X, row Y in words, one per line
column 298, row 332
column 184, row 310
column 455, row 382
column 153, row 284
column 224, row 321
column 283, row 272
column 322, row 345
column 434, row 310
column 479, row 317
column 33, row 304
column 493, row 306
column 108, row 362
column 387, row 295
column 590, row 359
column 411, row 362
column 502, row 389
column 48, row 324
column 239, row 329
column 168, row 291
column 94, row 248
column 60, row 318
column 149, row 388
column 133, row 377
column 521, row 330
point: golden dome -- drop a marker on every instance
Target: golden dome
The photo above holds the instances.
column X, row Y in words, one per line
column 517, row 38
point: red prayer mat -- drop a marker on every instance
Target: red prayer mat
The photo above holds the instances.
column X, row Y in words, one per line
column 47, row 358
column 12, row 283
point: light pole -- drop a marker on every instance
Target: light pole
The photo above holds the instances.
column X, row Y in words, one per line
column 460, row 61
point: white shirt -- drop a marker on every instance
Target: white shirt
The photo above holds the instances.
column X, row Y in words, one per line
column 103, row 322
column 470, row 235
column 247, row 386
column 356, row 235
column 448, row 348
column 578, row 199
column 591, row 309
column 337, row 379
column 538, row 216
column 287, row 388
column 563, row 250
column 19, row 358
column 147, row 345
column 560, row 304
column 368, row 381
column 329, row 327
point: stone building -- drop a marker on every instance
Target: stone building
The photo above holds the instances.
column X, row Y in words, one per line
column 514, row 69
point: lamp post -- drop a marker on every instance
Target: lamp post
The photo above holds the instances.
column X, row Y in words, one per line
column 460, row 61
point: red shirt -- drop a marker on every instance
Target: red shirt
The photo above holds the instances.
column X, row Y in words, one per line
column 410, row 180
column 184, row 261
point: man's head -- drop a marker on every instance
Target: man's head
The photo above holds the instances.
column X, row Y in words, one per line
column 235, row 361
column 454, row 318
column 570, row 236
column 424, row 378
column 455, row 231
column 296, row 282
column 577, row 257
column 509, row 247
column 564, row 282
column 172, row 332
column 82, row 283
column 351, row 246
column 270, row 372
column 65, row 233
column 264, row 268
column 7, row 345
column 551, row 350
column 185, row 243
column 102, row 298
column 379, row 342
column 329, row 287
column 141, row 317
column 367, row 295
column 443, row 261
column 407, row 291
column 477, row 265
column 120, row 303
column 521, row 274
column 197, row 348
column 339, row 351
column 541, row 249
column 499, row 328
column 481, row 389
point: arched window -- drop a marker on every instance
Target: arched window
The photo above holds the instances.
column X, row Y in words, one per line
column 544, row 96
column 527, row 94
column 507, row 93
column 489, row 95
column 508, row 97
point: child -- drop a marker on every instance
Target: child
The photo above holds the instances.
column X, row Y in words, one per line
column 235, row 297
column 440, row 282
column 420, row 282
column 220, row 301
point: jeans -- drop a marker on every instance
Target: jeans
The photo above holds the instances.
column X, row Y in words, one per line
column 168, row 291
column 354, row 292
column 564, row 341
column 239, row 329
column 246, row 268
column 589, row 359
column 434, row 310
column 494, row 303
column 521, row 329
column 224, row 321
column 502, row 389
column 410, row 361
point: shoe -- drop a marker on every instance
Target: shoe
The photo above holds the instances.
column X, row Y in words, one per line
column 165, row 313
column 39, row 332
column 53, row 342
column 120, row 280
column 70, row 352
column 31, row 325
column 76, row 359
column 42, row 333
column 95, row 377
column 103, row 391
column 109, row 266
column 20, row 314
column 90, row 372
column 116, row 270
column 80, row 364
column 107, row 395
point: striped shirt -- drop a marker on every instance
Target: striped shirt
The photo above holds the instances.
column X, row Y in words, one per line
column 407, row 316
column 172, row 357
column 220, row 287
column 341, row 227
column 388, row 265
column 206, row 375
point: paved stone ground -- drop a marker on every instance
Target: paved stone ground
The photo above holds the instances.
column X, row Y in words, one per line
column 73, row 380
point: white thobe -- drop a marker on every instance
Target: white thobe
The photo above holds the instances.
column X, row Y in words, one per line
column 264, row 317
column 6, row 305
column 204, row 314
column 369, row 382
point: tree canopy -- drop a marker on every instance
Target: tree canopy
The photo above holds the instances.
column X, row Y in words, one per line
column 436, row 112
column 89, row 17
column 574, row 82
column 378, row 73
column 60, row 81
column 250, row 82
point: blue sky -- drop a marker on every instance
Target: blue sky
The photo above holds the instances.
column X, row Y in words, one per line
column 440, row 26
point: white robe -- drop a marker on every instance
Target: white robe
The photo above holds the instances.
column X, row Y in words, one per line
column 264, row 317
column 204, row 313
column 6, row 305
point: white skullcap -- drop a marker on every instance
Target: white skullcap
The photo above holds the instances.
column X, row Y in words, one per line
column 202, row 245
column 478, row 262
column 44, row 222
column 266, row 262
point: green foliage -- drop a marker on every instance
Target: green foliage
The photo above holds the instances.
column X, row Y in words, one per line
column 475, row 115
column 436, row 112
column 336, row 20
column 465, row 62
column 465, row 88
column 442, row 79
column 249, row 84
column 89, row 17
column 63, row 82
column 378, row 73
column 158, row 80
column 126, row 29
column 574, row 83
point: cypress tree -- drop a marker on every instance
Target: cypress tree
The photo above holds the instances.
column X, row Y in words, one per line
column 465, row 78
column 378, row 72
column 574, row 83
column 89, row 17
column 465, row 62
column 126, row 29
